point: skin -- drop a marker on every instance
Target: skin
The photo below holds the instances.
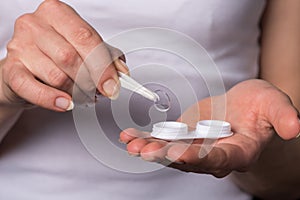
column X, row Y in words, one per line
column 262, row 118
column 254, row 120
column 257, row 111
column 276, row 175
column 49, row 46
column 45, row 54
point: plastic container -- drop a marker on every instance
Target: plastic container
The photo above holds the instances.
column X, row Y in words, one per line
column 171, row 130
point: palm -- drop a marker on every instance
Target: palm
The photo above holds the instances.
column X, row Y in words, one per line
column 253, row 108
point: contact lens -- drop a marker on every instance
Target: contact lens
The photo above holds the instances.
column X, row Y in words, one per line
column 162, row 103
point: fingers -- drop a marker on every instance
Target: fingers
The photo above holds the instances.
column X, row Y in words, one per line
column 218, row 160
column 57, row 48
column 62, row 52
column 116, row 53
column 42, row 67
column 213, row 157
column 141, row 144
column 67, row 63
column 260, row 103
column 119, row 59
column 87, row 42
column 26, row 66
column 121, row 66
column 149, row 149
column 22, row 82
column 154, row 151
column 194, row 158
column 130, row 134
column 182, row 156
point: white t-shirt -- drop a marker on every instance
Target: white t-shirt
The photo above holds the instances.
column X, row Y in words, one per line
column 42, row 157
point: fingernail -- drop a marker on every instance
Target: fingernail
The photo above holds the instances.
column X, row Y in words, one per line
column 176, row 162
column 64, row 103
column 150, row 158
column 122, row 142
column 125, row 66
column 299, row 133
column 111, row 89
column 134, row 154
column 121, row 66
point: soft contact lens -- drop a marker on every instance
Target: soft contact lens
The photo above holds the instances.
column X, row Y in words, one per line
column 162, row 103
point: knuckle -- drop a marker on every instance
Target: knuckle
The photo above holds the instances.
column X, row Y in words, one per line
column 67, row 57
column 6, row 74
column 7, row 66
column 40, row 96
column 86, row 36
column 16, row 81
column 24, row 21
column 50, row 5
column 13, row 45
column 58, row 79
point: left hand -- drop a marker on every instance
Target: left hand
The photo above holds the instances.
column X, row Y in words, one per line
column 255, row 109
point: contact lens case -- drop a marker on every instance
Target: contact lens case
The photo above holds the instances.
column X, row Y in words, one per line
column 171, row 130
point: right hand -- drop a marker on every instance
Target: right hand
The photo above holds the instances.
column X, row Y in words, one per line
column 43, row 57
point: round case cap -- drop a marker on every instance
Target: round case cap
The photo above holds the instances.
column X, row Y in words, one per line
column 169, row 128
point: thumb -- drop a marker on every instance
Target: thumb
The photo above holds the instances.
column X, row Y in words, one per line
column 284, row 118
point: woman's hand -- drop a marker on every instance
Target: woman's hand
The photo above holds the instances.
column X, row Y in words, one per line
column 255, row 109
column 43, row 58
